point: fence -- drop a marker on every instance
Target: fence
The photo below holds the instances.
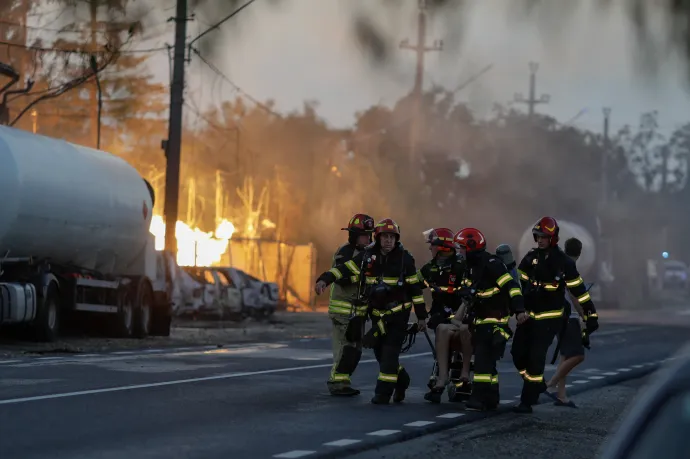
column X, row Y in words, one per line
column 292, row 267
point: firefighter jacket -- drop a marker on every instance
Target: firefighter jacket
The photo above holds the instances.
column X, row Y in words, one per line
column 496, row 294
column 343, row 293
column 545, row 274
column 444, row 276
column 394, row 275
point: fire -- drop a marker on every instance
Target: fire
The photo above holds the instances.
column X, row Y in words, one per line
column 192, row 243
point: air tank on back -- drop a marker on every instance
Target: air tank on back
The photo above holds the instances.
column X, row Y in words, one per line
column 567, row 230
column 70, row 204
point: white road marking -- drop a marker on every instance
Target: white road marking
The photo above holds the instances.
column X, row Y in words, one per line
column 9, row 361
column 568, row 386
column 343, row 442
column 420, row 423
column 596, row 377
column 49, row 358
column 87, row 355
column 152, row 351
column 295, row 454
column 610, row 373
column 591, row 370
column 383, row 433
column 624, row 369
column 518, row 396
column 123, row 352
column 579, row 381
column 450, row 415
column 638, row 366
column 506, row 402
column 185, row 381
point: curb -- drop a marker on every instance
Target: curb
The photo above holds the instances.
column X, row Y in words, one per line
column 470, row 417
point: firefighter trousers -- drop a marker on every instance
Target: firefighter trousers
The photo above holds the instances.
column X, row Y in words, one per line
column 392, row 375
column 489, row 343
column 530, row 347
column 346, row 354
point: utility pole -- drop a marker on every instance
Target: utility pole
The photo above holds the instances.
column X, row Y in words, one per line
column 532, row 101
column 420, row 48
column 173, row 144
column 604, row 159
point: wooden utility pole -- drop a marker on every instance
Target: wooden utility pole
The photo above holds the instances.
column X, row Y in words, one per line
column 173, row 144
column 532, row 101
column 420, row 49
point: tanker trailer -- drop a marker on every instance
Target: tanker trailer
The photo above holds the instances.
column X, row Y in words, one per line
column 74, row 238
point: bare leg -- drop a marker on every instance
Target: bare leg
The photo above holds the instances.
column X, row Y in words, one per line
column 466, row 341
column 443, row 335
column 564, row 368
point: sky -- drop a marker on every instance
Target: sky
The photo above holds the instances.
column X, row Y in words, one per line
column 306, row 50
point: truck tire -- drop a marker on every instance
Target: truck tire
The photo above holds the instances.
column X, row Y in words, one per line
column 143, row 309
column 47, row 323
column 124, row 320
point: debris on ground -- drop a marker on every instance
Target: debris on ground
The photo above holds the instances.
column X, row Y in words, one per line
column 280, row 326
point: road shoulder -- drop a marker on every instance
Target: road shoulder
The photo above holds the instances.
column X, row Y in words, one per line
column 545, row 434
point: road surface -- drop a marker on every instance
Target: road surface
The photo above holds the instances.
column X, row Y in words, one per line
column 250, row 401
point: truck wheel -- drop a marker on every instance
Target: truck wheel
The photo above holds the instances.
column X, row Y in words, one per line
column 47, row 322
column 124, row 322
column 143, row 309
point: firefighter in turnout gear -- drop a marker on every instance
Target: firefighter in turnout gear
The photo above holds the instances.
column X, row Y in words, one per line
column 444, row 275
column 387, row 278
column 348, row 319
column 545, row 272
column 495, row 297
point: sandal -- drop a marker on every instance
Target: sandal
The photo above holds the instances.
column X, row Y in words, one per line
column 568, row 404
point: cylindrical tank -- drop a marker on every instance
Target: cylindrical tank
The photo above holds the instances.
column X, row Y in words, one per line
column 567, row 230
column 71, row 204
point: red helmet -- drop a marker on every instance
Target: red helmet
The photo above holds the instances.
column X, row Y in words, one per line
column 471, row 239
column 440, row 237
column 360, row 224
column 387, row 225
column 546, row 227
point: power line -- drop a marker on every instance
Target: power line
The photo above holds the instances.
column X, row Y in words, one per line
column 219, row 23
column 234, row 85
column 44, row 49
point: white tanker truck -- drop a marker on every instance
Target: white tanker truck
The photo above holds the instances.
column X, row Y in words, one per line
column 592, row 265
column 74, row 239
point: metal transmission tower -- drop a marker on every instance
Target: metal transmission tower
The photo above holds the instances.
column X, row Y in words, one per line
column 420, row 48
column 532, row 101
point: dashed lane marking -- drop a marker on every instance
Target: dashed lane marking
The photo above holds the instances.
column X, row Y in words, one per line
column 343, row 442
column 185, row 381
column 9, row 361
column 419, row 423
column 383, row 433
column 295, row 454
column 387, row 432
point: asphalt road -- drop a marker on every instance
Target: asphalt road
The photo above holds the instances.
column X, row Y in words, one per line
column 249, row 401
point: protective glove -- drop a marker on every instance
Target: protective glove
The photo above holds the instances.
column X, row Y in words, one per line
column 370, row 339
column 592, row 325
column 585, row 339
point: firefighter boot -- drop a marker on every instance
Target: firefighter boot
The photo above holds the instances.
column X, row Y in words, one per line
column 344, row 391
column 434, row 395
column 401, row 386
column 381, row 399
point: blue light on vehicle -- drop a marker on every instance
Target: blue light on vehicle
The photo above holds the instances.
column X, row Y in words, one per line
column 664, row 254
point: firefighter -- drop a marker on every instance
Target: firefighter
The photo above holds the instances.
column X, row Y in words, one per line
column 444, row 274
column 545, row 272
column 388, row 281
column 347, row 318
column 495, row 296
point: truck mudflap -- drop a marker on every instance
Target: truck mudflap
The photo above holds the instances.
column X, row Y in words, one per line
column 17, row 303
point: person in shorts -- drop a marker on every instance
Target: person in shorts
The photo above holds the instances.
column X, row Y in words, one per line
column 572, row 349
